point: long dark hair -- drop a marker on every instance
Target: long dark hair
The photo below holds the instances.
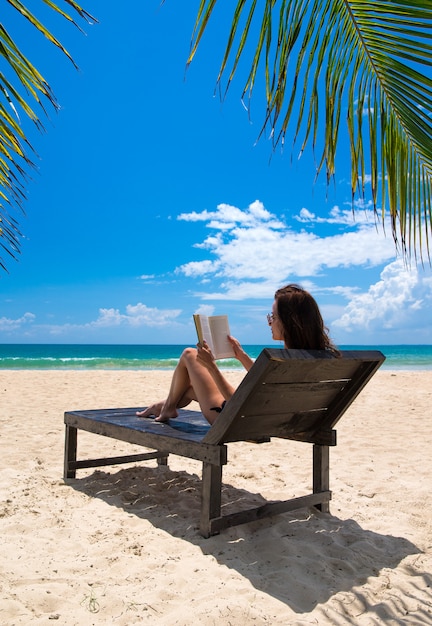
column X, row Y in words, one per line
column 302, row 324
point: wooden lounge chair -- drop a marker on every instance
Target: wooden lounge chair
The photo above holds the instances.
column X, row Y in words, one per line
column 291, row 394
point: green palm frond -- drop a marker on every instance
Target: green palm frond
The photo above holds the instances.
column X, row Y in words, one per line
column 14, row 147
column 368, row 60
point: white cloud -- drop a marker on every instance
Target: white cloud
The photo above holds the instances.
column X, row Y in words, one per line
column 305, row 216
column 198, row 268
column 227, row 216
column 338, row 216
column 7, row 324
column 401, row 299
column 258, row 250
column 136, row 315
column 242, row 290
column 205, row 309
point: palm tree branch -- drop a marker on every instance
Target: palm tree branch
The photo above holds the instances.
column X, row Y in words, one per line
column 14, row 161
column 27, row 74
column 40, row 27
column 349, row 51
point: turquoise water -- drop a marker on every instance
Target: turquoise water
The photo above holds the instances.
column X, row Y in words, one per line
column 165, row 357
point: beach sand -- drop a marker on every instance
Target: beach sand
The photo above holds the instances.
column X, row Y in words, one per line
column 120, row 545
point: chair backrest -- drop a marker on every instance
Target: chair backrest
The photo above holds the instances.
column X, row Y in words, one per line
column 295, row 394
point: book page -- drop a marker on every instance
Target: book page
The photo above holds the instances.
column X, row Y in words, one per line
column 203, row 330
column 219, row 327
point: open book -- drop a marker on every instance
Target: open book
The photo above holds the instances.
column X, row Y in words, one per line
column 214, row 330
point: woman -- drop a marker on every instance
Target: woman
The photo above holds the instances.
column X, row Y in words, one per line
column 295, row 319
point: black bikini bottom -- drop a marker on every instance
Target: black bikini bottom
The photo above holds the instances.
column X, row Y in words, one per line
column 218, row 409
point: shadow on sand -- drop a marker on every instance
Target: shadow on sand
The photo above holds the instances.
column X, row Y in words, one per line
column 301, row 558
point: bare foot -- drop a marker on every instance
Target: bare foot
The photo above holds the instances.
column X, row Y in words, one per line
column 154, row 409
column 165, row 417
column 157, row 409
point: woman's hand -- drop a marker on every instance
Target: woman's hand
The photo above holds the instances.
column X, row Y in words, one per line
column 240, row 354
column 238, row 350
column 205, row 356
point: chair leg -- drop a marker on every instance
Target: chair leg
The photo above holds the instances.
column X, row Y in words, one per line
column 321, row 473
column 70, row 453
column 210, row 497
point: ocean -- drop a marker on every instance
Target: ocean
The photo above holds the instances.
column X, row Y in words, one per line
column 165, row 357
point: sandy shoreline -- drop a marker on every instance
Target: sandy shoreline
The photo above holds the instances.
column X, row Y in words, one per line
column 120, row 545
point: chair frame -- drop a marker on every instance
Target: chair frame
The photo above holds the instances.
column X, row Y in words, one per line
column 289, row 394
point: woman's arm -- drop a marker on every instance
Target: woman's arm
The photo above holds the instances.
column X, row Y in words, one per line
column 240, row 354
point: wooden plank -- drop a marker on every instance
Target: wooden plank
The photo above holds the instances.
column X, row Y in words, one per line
column 190, row 425
column 210, row 497
column 307, row 372
column 271, row 367
column 316, row 365
column 267, row 510
column 299, row 427
column 70, row 452
column 118, row 460
column 343, row 401
column 282, row 354
column 158, row 437
column 321, row 473
column 298, row 396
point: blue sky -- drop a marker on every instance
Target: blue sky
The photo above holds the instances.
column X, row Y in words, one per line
column 152, row 200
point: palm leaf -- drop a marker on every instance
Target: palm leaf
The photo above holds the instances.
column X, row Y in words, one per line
column 370, row 60
column 14, row 147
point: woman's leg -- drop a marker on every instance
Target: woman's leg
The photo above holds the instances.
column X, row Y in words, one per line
column 156, row 408
column 191, row 381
